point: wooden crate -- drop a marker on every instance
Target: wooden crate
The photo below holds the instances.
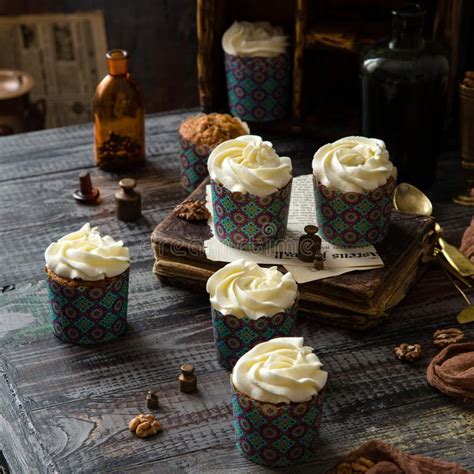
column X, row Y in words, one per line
column 328, row 37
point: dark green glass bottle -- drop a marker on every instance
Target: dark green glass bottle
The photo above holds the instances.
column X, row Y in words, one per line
column 404, row 85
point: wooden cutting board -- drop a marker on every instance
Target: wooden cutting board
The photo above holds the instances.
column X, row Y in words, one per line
column 359, row 299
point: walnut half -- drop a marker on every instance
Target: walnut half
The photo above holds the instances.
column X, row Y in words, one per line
column 408, row 352
column 192, row 210
column 444, row 337
column 359, row 465
column 144, row 425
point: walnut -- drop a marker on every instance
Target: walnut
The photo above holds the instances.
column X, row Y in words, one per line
column 192, row 211
column 408, row 352
column 468, row 80
column 444, row 337
column 144, row 425
column 359, row 465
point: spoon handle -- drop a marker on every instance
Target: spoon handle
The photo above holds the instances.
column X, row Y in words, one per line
column 447, row 273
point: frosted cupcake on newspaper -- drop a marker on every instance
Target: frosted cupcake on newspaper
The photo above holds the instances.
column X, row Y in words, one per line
column 251, row 189
column 258, row 71
column 354, row 181
column 277, row 394
column 87, row 286
column 250, row 304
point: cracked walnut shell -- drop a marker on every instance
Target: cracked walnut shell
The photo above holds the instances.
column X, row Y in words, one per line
column 408, row 352
column 192, row 210
column 444, row 337
column 361, row 464
column 144, row 425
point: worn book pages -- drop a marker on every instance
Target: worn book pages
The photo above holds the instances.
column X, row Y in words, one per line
column 65, row 54
column 302, row 212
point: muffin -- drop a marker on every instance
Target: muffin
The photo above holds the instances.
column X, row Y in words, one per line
column 250, row 304
column 198, row 136
column 258, row 71
column 277, row 399
column 251, row 190
column 87, row 286
column 354, row 181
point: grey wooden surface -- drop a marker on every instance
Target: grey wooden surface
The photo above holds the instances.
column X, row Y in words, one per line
column 65, row 408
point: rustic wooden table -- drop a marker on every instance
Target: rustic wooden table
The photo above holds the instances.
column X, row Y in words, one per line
column 65, row 408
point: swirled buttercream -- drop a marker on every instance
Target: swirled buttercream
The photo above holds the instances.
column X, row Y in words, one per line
column 254, row 39
column 353, row 164
column 281, row 370
column 86, row 255
column 244, row 288
column 248, row 164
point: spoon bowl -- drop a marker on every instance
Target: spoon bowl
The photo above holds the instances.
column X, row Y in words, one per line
column 407, row 198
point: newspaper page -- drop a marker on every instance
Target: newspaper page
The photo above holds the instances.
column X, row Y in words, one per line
column 302, row 212
column 65, row 54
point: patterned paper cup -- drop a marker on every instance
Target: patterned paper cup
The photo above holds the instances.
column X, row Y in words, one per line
column 354, row 219
column 233, row 336
column 89, row 314
column 193, row 163
column 248, row 222
column 276, row 435
column 258, row 88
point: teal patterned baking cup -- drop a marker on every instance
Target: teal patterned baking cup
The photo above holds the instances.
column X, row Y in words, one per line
column 90, row 314
column 248, row 222
column 276, row 435
column 353, row 219
column 234, row 336
column 258, row 88
column 193, row 163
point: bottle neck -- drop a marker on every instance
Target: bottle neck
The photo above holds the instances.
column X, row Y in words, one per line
column 117, row 60
column 408, row 28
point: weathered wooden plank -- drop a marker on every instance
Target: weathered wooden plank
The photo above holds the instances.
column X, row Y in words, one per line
column 78, row 400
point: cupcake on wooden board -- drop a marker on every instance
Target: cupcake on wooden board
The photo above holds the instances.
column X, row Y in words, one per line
column 251, row 189
column 250, row 304
column 354, row 181
column 87, row 286
column 277, row 399
column 198, row 136
column 258, row 71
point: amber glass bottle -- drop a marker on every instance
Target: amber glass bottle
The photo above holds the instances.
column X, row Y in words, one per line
column 119, row 118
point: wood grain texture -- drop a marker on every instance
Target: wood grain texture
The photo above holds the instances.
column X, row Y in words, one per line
column 65, row 408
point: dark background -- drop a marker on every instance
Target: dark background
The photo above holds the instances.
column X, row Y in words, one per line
column 159, row 35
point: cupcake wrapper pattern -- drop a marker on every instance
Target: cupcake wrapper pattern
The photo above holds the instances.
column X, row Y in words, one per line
column 354, row 219
column 276, row 434
column 258, row 88
column 193, row 164
column 233, row 336
column 248, row 222
column 89, row 315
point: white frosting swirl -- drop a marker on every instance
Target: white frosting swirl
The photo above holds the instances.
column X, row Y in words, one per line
column 86, row 255
column 281, row 370
column 254, row 39
column 353, row 164
column 248, row 164
column 244, row 288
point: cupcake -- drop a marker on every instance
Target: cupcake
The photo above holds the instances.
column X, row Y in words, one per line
column 198, row 136
column 258, row 71
column 251, row 189
column 353, row 187
column 250, row 304
column 277, row 397
column 87, row 286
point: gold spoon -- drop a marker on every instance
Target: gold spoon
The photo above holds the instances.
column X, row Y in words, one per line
column 407, row 198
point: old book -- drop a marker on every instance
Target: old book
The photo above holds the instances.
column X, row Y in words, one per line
column 359, row 300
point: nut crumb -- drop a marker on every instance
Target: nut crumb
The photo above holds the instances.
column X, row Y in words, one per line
column 192, row 210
